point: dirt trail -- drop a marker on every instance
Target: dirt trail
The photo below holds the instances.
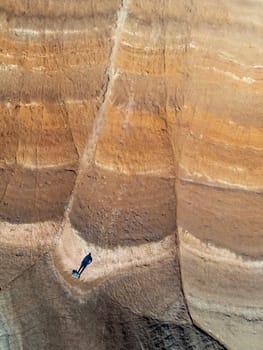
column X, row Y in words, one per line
column 107, row 263
column 70, row 247
column 111, row 74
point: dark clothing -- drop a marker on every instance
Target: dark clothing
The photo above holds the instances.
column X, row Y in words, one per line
column 86, row 261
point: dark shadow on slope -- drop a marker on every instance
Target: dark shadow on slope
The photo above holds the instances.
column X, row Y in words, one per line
column 43, row 315
column 135, row 332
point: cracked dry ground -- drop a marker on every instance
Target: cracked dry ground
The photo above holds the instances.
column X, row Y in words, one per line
column 132, row 129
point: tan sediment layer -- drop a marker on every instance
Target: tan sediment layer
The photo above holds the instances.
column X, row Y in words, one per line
column 135, row 209
column 42, row 133
column 225, row 217
column 28, row 236
column 35, row 195
column 223, row 292
column 221, row 152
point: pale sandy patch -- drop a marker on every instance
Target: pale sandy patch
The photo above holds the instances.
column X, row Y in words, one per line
column 209, row 252
column 71, row 249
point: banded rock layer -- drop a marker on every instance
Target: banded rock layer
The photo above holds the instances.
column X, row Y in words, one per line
column 131, row 129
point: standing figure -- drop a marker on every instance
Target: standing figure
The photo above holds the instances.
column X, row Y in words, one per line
column 85, row 262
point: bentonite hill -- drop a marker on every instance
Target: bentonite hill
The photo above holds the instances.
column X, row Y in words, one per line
column 131, row 129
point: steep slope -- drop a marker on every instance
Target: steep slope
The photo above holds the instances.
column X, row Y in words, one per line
column 131, row 129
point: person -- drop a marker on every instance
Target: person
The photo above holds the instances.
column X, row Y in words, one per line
column 85, row 262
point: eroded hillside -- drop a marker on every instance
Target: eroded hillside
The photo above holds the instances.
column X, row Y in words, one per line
column 133, row 130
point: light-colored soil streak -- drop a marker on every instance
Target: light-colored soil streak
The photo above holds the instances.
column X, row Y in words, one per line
column 70, row 247
column 217, row 292
column 107, row 263
column 111, row 74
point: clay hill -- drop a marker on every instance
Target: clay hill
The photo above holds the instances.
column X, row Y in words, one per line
column 131, row 129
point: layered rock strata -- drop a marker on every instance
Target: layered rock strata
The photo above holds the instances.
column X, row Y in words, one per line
column 53, row 63
column 97, row 320
column 131, row 129
column 220, row 173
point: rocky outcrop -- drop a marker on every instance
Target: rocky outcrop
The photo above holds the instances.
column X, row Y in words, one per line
column 131, row 129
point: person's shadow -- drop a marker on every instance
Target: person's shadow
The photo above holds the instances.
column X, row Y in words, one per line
column 85, row 262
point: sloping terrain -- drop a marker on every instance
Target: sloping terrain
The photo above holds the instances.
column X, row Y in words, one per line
column 131, row 129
